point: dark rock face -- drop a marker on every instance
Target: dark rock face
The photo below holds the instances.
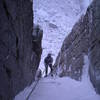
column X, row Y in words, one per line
column 36, row 47
column 19, row 56
column 71, row 56
column 94, row 50
column 84, row 39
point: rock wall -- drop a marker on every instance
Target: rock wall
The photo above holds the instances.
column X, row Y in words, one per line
column 70, row 58
column 84, row 39
column 94, row 49
column 19, row 59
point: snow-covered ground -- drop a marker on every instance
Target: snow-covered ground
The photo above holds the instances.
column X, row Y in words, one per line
column 62, row 88
column 56, row 17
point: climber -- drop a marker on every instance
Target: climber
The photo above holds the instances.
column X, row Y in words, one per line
column 48, row 62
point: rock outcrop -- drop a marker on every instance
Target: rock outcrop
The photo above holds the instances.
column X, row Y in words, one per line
column 71, row 57
column 19, row 54
column 94, row 49
column 84, row 39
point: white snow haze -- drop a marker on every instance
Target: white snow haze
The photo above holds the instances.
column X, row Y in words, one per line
column 56, row 17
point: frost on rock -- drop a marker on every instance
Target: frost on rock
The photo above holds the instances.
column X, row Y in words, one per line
column 85, row 68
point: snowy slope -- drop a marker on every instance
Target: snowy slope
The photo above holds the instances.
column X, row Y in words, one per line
column 62, row 88
column 66, row 88
column 57, row 18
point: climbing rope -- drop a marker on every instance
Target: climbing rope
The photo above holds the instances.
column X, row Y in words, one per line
column 36, row 82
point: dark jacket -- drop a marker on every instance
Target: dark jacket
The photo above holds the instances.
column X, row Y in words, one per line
column 48, row 60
